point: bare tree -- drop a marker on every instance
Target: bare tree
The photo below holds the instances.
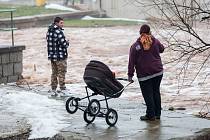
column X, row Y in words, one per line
column 185, row 27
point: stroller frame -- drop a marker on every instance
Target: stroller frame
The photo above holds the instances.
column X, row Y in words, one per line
column 93, row 108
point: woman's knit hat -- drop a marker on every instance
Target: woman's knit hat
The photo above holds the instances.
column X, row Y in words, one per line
column 144, row 29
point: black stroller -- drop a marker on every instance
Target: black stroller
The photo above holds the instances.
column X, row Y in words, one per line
column 101, row 80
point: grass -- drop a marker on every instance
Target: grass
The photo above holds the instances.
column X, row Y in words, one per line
column 25, row 10
column 97, row 23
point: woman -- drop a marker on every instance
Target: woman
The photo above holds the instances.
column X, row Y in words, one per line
column 144, row 58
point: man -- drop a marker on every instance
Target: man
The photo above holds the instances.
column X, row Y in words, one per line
column 144, row 58
column 57, row 53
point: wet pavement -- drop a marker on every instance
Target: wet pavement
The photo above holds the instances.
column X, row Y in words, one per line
column 172, row 125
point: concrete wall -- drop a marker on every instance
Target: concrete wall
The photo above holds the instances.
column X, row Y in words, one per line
column 11, row 65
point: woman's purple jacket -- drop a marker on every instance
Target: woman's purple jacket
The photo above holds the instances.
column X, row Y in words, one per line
column 145, row 62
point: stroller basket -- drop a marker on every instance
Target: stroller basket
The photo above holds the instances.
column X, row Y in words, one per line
column 100, row 79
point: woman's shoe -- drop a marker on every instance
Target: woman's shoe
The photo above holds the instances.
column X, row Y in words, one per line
column 157, row 117
column 146, row 118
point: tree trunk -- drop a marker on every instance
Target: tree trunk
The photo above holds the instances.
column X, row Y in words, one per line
column 65, row 2
column 73, row 2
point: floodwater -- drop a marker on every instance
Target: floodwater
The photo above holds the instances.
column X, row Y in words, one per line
column 111, row 46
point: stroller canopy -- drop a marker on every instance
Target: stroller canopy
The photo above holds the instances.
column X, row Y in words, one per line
column 101, row 79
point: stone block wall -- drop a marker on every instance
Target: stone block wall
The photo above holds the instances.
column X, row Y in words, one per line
column 11, row 65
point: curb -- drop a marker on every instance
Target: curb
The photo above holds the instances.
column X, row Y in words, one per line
column 43, row 20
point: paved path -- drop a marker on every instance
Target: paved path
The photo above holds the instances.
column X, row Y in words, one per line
column 173, row 124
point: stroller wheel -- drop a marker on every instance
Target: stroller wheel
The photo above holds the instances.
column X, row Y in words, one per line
column 71, row 105
column 94, row 107
column 111, row 117
column 88, row 117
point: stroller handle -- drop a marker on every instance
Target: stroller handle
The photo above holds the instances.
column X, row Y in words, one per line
column 130, row 82
column 124, row 79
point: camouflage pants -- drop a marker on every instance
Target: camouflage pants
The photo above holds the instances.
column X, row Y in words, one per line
column 59, row 69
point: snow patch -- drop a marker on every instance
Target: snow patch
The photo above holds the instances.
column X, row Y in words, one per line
column 43, row 113
column 123, row 19
column 60, row 7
